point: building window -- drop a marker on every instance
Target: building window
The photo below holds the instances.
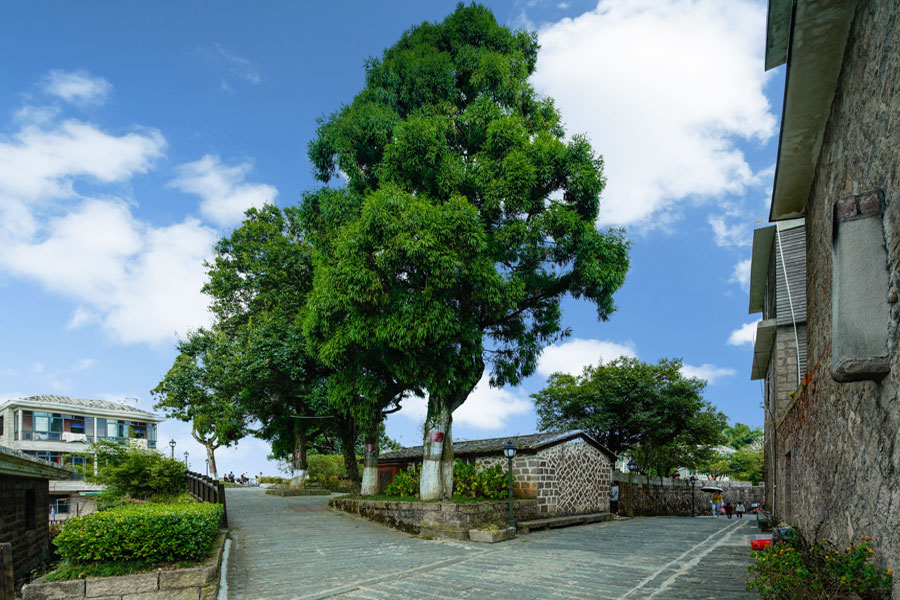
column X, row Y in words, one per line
column 41, row 425
column 2, row 431
column 16, row 425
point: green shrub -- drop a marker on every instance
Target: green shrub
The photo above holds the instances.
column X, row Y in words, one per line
column 322, row 467
column 141, row 532
column 475, row 481
column 137, row 472
column 797, row 570
column 405, row 484
column 273, row 480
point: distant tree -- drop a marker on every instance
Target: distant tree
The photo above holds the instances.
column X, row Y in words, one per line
column 465, row 220
column 628, row 402
column 741, row 435
column 200, row 388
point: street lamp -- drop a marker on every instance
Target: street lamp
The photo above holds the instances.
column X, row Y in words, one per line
column 185, row 457
column 509, row 450
column 172, row 446
column 632, row 467
column 207, row 467
column 693, row 504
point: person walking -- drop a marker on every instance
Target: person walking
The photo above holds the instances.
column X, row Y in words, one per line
column 739, row 510
column 716, row 504
column 614, row 499
column 729, row 509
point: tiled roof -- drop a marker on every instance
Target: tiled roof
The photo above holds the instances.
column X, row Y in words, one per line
column 87, row 405
column 524, row 443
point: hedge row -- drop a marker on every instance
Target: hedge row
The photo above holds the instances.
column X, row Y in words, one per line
column 151, row 532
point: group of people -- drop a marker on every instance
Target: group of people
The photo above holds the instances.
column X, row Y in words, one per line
column 243, row 479
column 729, row 508
column 716, row 502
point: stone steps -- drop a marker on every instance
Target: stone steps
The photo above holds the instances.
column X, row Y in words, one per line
column 564, row 521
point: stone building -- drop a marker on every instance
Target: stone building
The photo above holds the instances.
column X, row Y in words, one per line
column 838, row 457
column 778, row 292
column 566, row 472
column 25, row 508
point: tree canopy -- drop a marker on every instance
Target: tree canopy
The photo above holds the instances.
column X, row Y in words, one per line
column 627, row 404
column 467, row 216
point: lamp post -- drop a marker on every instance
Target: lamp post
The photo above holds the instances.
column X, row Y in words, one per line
column 172, row 446
column 207, row 467
column 693, row 504
column 509, row 450
column 185, row 457
column 632, row 467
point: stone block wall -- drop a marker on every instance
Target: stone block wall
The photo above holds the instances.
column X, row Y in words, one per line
column 673, row 499
column 436, row 519
column 565, row 479
column 838, row 445
column 28, row 533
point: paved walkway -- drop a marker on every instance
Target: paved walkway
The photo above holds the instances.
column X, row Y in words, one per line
column 294, row 548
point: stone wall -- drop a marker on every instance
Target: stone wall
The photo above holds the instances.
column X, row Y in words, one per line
column 565, row 479
column 436, row 519
column 28, row 533
column 673, row 499
column 838, row 447
column 195, row 583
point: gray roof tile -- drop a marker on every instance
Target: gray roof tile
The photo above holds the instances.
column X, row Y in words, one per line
column 86, row 405
column 524, row 443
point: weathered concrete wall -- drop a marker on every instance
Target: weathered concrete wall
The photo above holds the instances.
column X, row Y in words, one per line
column 839, row 447
column 28, row 533
column 436, row 519
column 194, row 583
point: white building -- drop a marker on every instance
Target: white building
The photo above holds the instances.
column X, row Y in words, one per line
column 60, row 429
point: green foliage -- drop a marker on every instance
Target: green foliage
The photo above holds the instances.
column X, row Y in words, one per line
column 476, row 481
column 129, row 471
column 468, row 215
column 405, row 484
column 326, row 468
column 741, row 435
column 274, row 480
column 797, row 570
column 627, row 403
column 147, row 532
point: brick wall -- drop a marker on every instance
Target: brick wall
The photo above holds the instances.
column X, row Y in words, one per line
column 839, row 450
column 27, row 533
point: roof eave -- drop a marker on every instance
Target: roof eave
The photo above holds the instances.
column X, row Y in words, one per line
column 759, row 266
column 762, row 348
column 778, row 24
column 817, row 39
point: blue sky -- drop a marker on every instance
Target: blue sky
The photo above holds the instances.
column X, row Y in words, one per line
column 131, row 137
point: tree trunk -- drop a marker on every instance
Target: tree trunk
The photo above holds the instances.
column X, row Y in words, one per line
column 348, row 450
column 435, row 482
column 211, row 457
column 298, row 476
column 369, row 485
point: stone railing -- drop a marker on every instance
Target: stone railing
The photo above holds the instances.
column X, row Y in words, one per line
column 437, row 519
column 673, row 498
column 207, row 489
column 200, row 582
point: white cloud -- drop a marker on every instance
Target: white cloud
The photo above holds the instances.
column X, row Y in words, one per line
column 730, row 235
column 236, row 67
column 79, row 87
column 81, row 317
column 663, row 88
column 710, row 373
column 573, row 356
column 741, row 274
column 746, row 334
column 224, row 194
column 486, row 407
column 41, row 162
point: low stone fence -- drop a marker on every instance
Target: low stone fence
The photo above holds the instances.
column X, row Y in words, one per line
column 437, row 519
column 194, row 583
column 673, row 498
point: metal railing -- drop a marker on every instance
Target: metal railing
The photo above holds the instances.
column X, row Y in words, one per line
column 207, row 489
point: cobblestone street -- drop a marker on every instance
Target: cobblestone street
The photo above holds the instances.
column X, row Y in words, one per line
column 294, row 548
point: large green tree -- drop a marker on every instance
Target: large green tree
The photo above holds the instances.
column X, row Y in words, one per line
column 628, row 403
column 201, row 388
column 466, row 217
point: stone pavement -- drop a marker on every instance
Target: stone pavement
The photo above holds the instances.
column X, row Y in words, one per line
column 295, row 548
